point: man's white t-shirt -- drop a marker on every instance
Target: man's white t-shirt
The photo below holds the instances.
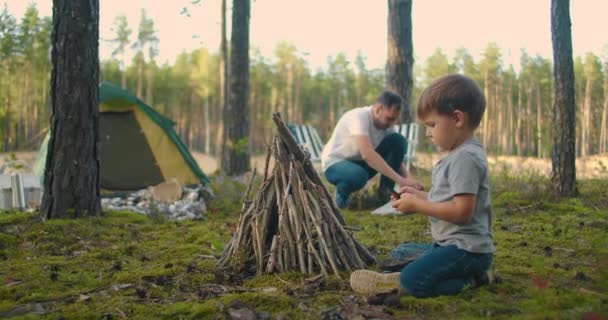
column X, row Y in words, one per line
column 342, row 145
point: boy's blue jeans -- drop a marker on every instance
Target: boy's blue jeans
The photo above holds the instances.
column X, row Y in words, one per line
column 349, row 176
column 440, row 270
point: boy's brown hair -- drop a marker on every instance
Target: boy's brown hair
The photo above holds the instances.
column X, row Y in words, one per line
column 450, row 93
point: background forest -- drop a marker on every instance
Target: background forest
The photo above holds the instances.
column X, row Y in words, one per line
column 189, row 90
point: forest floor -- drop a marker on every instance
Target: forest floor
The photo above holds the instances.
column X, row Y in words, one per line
column 551, row 263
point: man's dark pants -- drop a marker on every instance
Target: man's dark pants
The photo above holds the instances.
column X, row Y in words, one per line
column 349, row 176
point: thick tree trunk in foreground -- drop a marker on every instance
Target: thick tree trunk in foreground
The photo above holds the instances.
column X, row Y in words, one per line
column 400, row 61
column 71, row 186
column 563, row 175
column 236, row 116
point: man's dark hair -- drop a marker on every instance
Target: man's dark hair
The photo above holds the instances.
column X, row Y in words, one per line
column 389, row 98
column 450, row 93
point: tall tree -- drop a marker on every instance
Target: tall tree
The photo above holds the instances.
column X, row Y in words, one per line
column 220, row 142
column 8, row 49
column 236, row 117
column 121, row 42
column 563, row 174
column 146, row 36
column 400, row 53
column 603, row 123
column 71, row 179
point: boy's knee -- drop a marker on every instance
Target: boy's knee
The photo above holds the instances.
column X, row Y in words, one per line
column 414, row 285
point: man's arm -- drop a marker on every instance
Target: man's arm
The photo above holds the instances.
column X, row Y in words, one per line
column 375, row 161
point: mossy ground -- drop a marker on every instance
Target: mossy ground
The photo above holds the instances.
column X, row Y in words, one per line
column 552, row 262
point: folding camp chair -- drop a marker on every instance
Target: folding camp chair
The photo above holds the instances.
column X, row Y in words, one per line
column 308, row 137
column 410, row 132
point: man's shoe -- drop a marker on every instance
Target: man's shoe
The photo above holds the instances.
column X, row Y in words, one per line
column 370, row 283
column 484, row 279
column 341, row 200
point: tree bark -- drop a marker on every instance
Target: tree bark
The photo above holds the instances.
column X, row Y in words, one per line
column 236, row 116
column 603, row 137
column 563, row 175
column 224, row 75
column 71, row 184
column 400, row 62
column 586, row 129
column 539, row 124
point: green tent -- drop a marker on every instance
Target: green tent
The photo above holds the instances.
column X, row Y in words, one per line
column 139, row 146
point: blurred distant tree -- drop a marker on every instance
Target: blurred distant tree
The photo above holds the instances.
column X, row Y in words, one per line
column 27, row 35
column 563, row 175
column 399, row 66
column 71, row 179
column 146, row 40
column 235, row 160
column 591, row 103
column 121, row 42
column 603, row 124
column 491, row 68
column 8, row 51
column 437, row 65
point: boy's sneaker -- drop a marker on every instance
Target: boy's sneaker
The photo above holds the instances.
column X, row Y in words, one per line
column 370, row 283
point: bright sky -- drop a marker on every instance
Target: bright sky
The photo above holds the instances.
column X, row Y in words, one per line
column 325, row 27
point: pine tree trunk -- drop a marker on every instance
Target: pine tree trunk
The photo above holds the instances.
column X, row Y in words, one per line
column 207, row 127
column 7, row 118
column 140, row 74
column 220, row 143
column 520, row 101
column 603, row 136
column 236, row 116
column 563, row 175
column 539, row 124
column 71, row 182
column 485, row 124
column 509, row 138
column 529, row 139
column 149, row 86
column 586, row 115
column 400, row 63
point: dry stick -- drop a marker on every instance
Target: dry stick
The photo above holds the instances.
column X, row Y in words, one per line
column 354, row 245
column 257, row 247
column 283, row 226
column 347, row 237
column 298, row 238
column 272, row 259
column 246, row 198
column 334, row 245
column 305, row 221
column 300, row 155
column 317, row 225
column 267, row 162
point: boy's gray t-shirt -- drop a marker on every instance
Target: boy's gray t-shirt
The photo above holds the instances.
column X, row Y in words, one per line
column 464, row 171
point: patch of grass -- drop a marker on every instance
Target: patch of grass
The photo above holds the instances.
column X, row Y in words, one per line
column 552, row 259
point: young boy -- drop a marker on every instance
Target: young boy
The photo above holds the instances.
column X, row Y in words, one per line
column 458, row 203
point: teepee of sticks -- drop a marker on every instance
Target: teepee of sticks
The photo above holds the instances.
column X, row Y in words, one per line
column 293, row 223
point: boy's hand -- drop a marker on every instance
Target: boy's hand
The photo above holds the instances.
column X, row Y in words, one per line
column 406, row 203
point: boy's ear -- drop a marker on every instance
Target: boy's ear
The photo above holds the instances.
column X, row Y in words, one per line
column 460, row 118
